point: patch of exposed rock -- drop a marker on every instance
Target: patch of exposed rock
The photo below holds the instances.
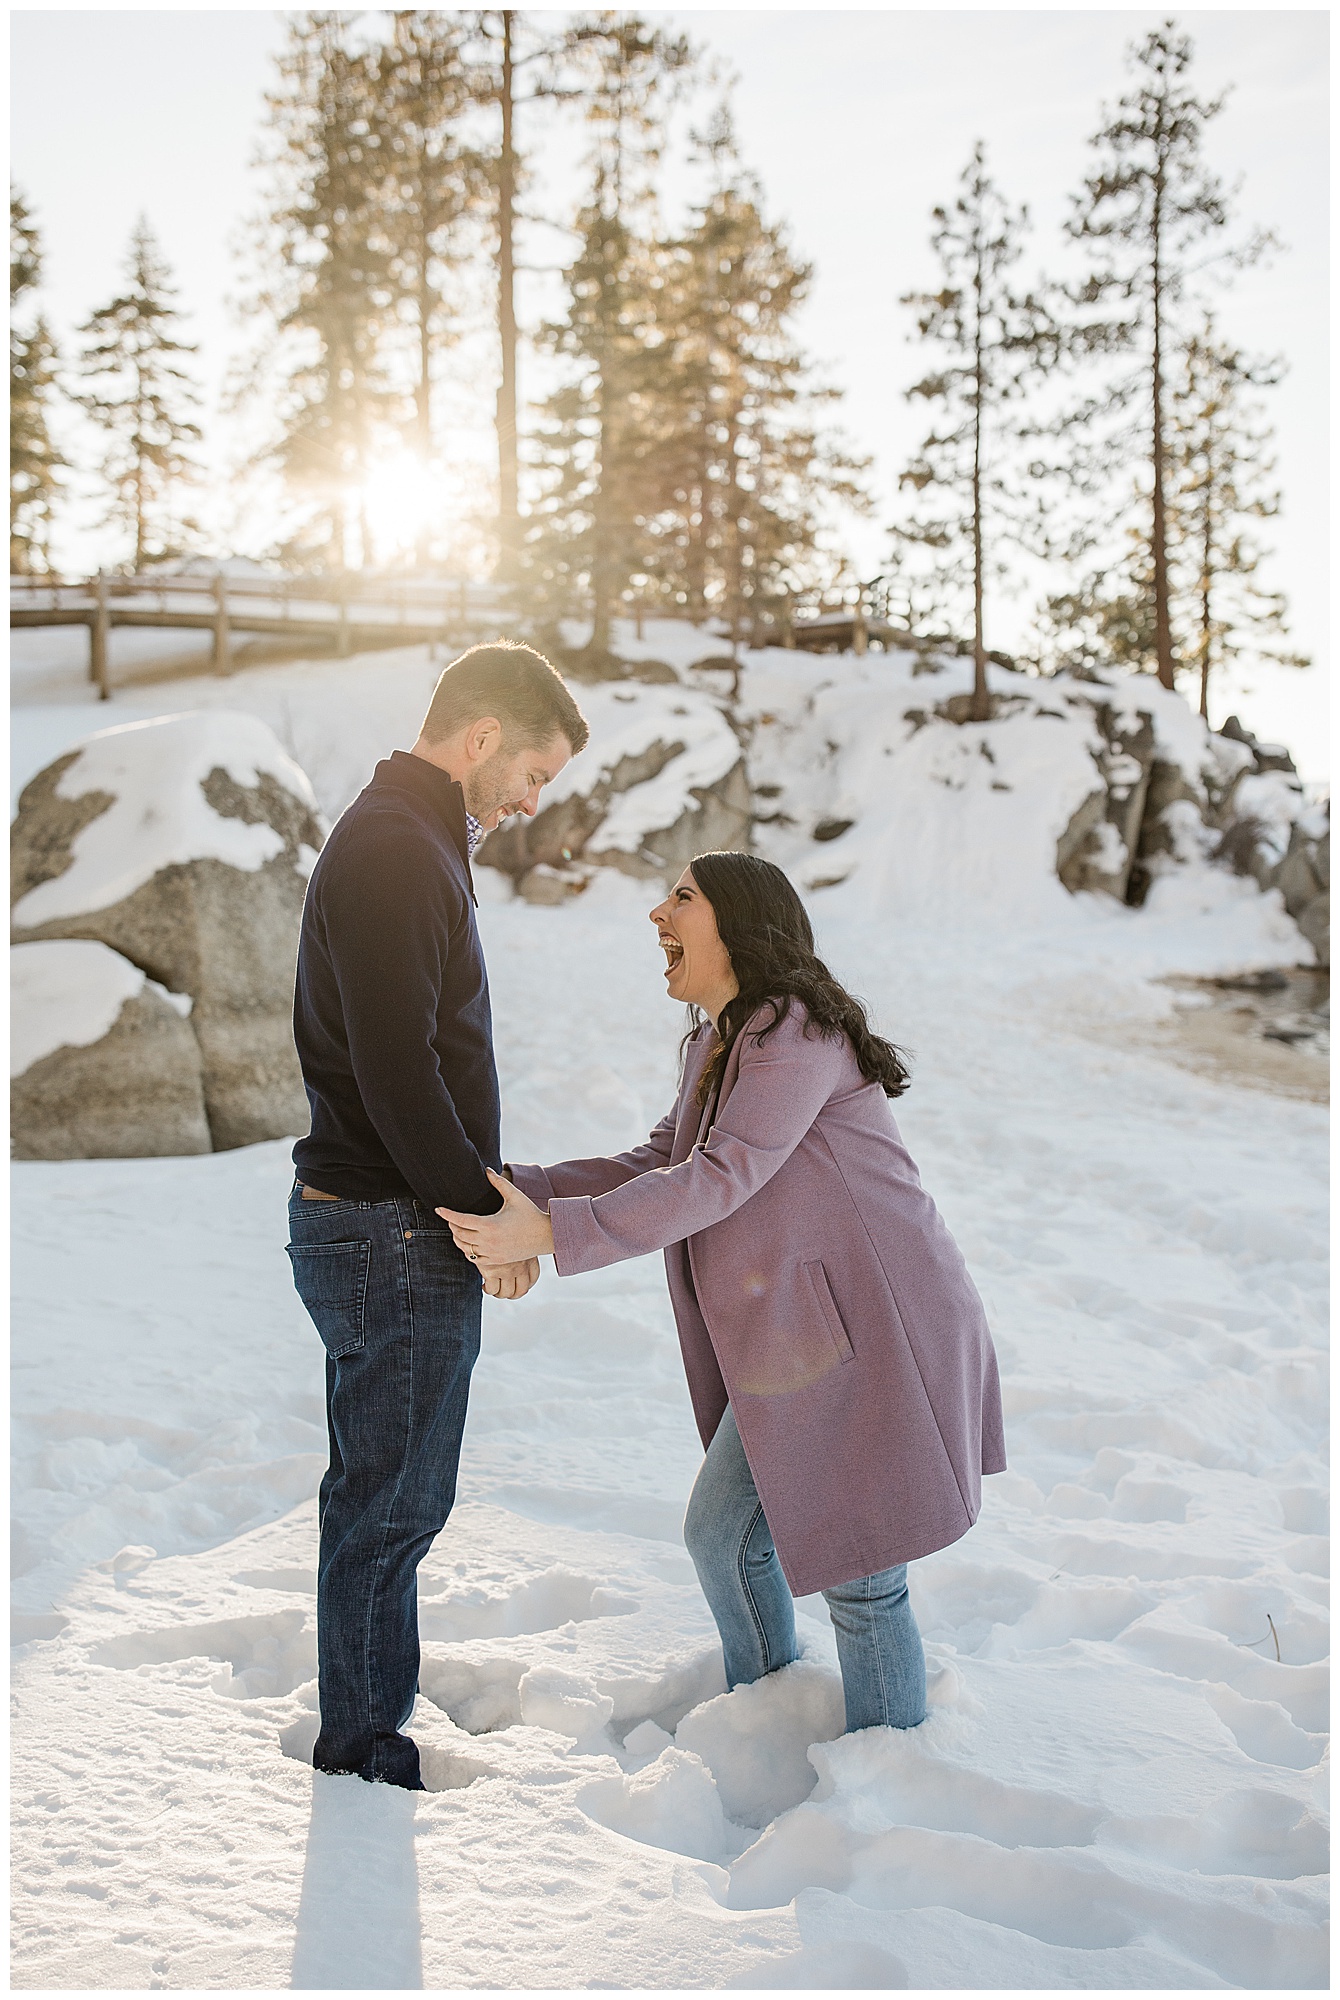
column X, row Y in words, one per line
column 1244, row 806
column 1098, row 849
column 663, row 780
column 134, row 1091
column 184, row 845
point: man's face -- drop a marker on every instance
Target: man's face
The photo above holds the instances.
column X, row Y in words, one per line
column 510, row 780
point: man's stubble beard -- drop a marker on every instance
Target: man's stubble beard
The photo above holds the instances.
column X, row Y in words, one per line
column 484, row 791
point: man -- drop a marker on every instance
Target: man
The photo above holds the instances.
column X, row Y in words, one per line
column 392, row 1023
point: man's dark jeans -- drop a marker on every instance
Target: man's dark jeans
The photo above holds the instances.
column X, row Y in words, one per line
column 398, row 1308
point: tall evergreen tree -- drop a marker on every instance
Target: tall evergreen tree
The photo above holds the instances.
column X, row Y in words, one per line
column 141, row 396
column 423, row 89
column 34, row 461
column 752, row 464
column 992, row 339
column 333, row 292
column 1154, row 217
column 510, row 48
column 1222, row 466
column 598, row 430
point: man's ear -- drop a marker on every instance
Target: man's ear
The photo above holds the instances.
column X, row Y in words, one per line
column 483, row 738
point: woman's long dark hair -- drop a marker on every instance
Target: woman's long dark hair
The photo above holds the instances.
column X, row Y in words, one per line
column 762, row 923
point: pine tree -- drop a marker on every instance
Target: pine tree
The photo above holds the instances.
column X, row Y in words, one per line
column 598, row 430
column 433, row 183
column 333, row 293
column 1154, row 217
column 1222, row 475
column 141, row 397
column 755, row 468
column 509, row 46
column 34, row 461
column 993, row 340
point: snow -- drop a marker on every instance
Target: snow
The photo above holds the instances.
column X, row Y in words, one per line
column 159, row 815
column 1118, row 1783
column 627, row 719
column 1272, row 799
column 64, row 994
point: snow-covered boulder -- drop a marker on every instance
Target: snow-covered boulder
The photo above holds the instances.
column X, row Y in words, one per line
column 662, row 779
column 1303, row 878
column 184, row 844
column 103, row 1063
column 1270, row 831
column 863, row 771
column 1099, row 846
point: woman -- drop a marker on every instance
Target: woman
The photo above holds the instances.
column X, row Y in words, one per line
column 838, row 1357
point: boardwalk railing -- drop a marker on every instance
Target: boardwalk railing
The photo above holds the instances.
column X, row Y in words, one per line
column 344, row 614
column 352, row 613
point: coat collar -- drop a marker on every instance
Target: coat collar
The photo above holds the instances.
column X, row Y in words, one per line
column 404, row 772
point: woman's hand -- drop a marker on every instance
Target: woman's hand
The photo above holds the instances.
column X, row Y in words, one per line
column 510, row 1281
column 518, row 1231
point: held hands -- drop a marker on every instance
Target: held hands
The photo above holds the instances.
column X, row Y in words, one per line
column 517, row 1234
column 510, row 1281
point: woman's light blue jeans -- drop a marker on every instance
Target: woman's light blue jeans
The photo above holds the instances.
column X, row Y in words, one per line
column 879, row 1646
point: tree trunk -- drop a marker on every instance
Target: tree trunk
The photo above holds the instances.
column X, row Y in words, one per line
column 423, row 398
column 509, row 522
column 602, row 582
column 734, row 551
column 695, row 558
column 1206, row 627
column 97, row 639
column 981, row 699
column 1159, row 538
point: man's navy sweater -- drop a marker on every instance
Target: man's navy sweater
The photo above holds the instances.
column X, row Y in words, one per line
column 391, row 1010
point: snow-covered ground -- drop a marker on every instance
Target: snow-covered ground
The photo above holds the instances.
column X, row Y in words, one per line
column 1119, row 1783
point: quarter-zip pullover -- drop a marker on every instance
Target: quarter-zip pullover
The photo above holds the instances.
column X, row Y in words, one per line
column 391, row 1009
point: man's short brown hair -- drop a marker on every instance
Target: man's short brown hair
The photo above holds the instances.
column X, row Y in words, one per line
column 513, row 682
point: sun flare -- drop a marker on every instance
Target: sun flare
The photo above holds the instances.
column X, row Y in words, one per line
column 405, row 502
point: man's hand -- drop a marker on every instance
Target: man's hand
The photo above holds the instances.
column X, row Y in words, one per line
column 510, row 1281
column 518, row 1232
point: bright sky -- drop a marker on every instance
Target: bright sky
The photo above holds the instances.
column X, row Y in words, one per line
column 857, row 122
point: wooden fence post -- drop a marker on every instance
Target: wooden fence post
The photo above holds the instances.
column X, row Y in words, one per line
column 222, row 661
column 858, row 626
column 97, row 638
column 342, row 629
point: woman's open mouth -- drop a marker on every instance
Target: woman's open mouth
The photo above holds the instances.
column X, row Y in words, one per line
column 673, row 949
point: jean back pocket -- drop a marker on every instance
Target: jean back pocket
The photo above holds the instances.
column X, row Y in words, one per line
column 332, row 1282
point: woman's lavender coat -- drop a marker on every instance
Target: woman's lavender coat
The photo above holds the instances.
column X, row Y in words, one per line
column 816, row 1287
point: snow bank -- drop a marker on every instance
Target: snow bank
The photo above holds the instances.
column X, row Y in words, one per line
column 1119, row 1784
column 65, row 994
column 154, row 772
column 893, row 815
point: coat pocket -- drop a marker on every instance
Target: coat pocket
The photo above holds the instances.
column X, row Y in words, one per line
column 332, row 1281
column 828, row 1307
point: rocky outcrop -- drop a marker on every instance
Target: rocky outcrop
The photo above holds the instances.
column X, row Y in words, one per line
column 716, row 815
column 184, row 845
column 1100, row 845
column 548, row 887
column 663, row 780
column 1267, row 830
column 105, row 1065
column 1244, row 806
column 558, row 834
column 1304, row 880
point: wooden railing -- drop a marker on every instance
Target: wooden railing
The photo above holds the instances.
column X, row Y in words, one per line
column 344, row 611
